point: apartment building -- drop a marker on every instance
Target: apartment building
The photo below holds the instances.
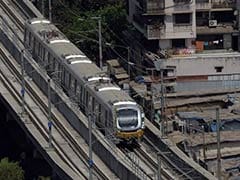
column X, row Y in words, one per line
column 186, row 26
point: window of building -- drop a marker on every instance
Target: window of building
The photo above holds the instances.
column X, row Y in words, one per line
column 218, row 68
column 182, row 18
column 178, row 43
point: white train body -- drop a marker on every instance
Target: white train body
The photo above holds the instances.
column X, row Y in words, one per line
column 113, row 109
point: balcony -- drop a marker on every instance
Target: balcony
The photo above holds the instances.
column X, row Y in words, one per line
column 154, row 31
column 217, row 4
column 182, row 28
column 203, row 5
column 183, row 8
column 154, row 7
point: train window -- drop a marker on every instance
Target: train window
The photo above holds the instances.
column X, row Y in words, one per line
column 32, row 42
column 87, row 98
column 72, row 85
column 29, row 39
column 99, row 112
column 93, row 104
column 25, row 36
column 53, row 64
column 75, row 86
column 59, row 70
column 48, row 60
column 78, row 92
column 106, row 115
column 69, row 81
column 43, row 54
column 63, row 76
column 56, row 66
column 81, row 94
column 39, row 49
column 36, row 47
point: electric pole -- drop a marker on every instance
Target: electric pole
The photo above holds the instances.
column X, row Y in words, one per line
column 128, row 60
column 162, row 105
column 218, row 145
column 50, row 10
column 100, row 42
column 23, row 82
column 43, row 7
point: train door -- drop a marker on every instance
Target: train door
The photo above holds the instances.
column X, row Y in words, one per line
column 43, row 56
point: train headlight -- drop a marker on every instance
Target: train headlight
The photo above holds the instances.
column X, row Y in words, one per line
column 143, row 116
column 143, row 125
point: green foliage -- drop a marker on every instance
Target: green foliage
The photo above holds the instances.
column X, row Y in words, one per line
column 79, row 27
column 10, row 170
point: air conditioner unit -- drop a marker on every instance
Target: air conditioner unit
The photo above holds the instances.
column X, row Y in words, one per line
column 212, row 23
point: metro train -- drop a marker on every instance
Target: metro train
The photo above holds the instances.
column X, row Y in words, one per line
column 114, row 110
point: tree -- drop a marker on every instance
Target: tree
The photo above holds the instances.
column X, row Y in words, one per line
column 10, row 170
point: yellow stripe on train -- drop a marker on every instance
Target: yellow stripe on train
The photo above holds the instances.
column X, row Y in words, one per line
column 129, row 135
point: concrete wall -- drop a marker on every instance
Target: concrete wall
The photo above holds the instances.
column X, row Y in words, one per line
column 203, row 65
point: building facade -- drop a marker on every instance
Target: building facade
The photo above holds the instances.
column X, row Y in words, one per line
column 187, row 26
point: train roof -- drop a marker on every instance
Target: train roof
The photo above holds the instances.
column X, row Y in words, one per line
column 63, row 48
column 77, row 62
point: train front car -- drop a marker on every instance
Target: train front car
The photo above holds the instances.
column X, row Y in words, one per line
column 129, row 120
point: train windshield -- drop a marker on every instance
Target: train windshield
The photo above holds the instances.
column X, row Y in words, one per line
column 128, row 118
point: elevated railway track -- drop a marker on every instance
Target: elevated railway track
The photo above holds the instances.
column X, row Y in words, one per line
column 79, row 164
column 172, row 165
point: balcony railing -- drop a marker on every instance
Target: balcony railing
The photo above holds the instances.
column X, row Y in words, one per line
column 203, row 6
column 182, row 28
column 223, row 3
column 154, row 6
column 185, row 7
column 154, row 31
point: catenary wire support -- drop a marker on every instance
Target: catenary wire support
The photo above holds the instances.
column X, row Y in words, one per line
column 100, row 42
column 218, row 145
